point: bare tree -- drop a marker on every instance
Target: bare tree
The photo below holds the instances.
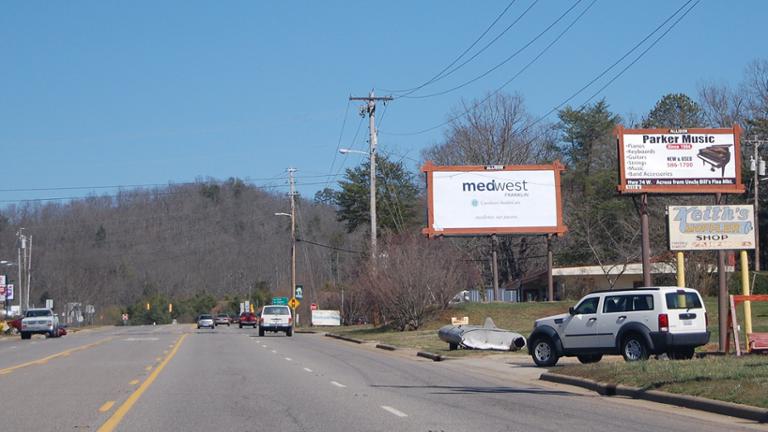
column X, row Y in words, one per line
column 416, row 278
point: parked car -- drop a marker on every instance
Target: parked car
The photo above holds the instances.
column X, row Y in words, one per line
column 248, row 319
column 276, row 318
column 222, row 319
column 632, row 322
column 205, row 320
column 40, row 321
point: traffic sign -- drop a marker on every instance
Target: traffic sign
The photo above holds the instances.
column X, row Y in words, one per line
column 299, row 292
column 293, row 303
column 125, row 317
column 313, row 306
column 280, row 301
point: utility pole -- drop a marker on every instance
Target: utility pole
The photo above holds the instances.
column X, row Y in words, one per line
column 370, row 109
column 758, row 169
column 293, row 239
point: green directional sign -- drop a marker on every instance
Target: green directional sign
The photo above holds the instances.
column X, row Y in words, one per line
column 280, row 301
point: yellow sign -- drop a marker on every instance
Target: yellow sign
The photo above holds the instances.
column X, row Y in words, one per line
column 293, row 303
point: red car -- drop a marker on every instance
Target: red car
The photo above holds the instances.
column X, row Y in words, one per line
column 248, row 319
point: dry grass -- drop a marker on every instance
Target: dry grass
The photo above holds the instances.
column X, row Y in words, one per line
column 733, row 379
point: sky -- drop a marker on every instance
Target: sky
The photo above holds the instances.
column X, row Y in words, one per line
column 95, row 94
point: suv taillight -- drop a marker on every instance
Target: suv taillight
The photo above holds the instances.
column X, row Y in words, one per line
column 261, row 320
column 290, row 320
column 706, row 320
column 663, row 322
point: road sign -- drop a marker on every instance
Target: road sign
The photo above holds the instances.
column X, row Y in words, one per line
column 313, row 306
column 8, row 292
column 299, row 292
column 293, row 303
column 280, row 301
column 125, row 317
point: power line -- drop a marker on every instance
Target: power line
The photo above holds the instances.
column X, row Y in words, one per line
column 503, row 62
column 442, row 74
column 328, row 247
column 341, row 135
column 498, row 89
column 608, row 69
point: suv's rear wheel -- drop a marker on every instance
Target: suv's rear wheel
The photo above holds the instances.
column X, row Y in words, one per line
column 590, row 358
column 633, row 348
column 544, row 353
column 289, row 332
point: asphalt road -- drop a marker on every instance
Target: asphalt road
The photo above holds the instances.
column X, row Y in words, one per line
column 168, row 378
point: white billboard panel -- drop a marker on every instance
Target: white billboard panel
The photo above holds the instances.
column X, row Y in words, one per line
column 494, row 199
column 466, row 200
column 715, row 227
column 679, row 160
column 326, row 318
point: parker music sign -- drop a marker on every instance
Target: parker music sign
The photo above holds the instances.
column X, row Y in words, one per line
column 715, row 227
column 679, row 160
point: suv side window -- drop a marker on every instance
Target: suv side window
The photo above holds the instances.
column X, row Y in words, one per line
column 628, row 303
column 588, row 306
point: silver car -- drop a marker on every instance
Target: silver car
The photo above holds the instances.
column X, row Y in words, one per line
column 205, row 320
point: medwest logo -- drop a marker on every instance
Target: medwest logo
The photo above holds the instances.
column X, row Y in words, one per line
column 493, row 186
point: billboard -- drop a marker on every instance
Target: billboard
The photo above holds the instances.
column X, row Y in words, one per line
column 326, row 318
column 712, row 227
column 679, row 160
column 493, row 199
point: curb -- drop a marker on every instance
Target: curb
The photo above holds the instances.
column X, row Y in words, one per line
column 429, row 355
column 344, row 338
column 692, row 402
column 386, row 347
column 305, row 331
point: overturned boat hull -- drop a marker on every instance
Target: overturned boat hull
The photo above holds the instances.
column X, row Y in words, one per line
column 477, row 337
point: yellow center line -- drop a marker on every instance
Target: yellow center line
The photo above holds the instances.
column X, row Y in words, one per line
column 107, row 406
column 44, row 360
column 117, row 417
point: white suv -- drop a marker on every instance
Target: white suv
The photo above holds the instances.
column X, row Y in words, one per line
column 276, row 318
column 632, row 322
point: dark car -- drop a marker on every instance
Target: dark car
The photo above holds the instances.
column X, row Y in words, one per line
column 248, row 319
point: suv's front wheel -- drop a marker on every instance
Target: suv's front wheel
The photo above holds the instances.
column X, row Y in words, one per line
column 633, row 348
column 544, row 353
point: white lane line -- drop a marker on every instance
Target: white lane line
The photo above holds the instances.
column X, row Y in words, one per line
column 394, row 411
column 340, row 385
column 308, row 369
column 288, row 358
column 274, row 352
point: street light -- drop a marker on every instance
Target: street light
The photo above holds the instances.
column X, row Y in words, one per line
column 293, row 255
column 372, row 157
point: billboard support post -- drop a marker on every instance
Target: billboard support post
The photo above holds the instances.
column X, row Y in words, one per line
column 680, row 269
column 722, row 293
column 550, row 281
column 646, row 252
column 495, row 265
